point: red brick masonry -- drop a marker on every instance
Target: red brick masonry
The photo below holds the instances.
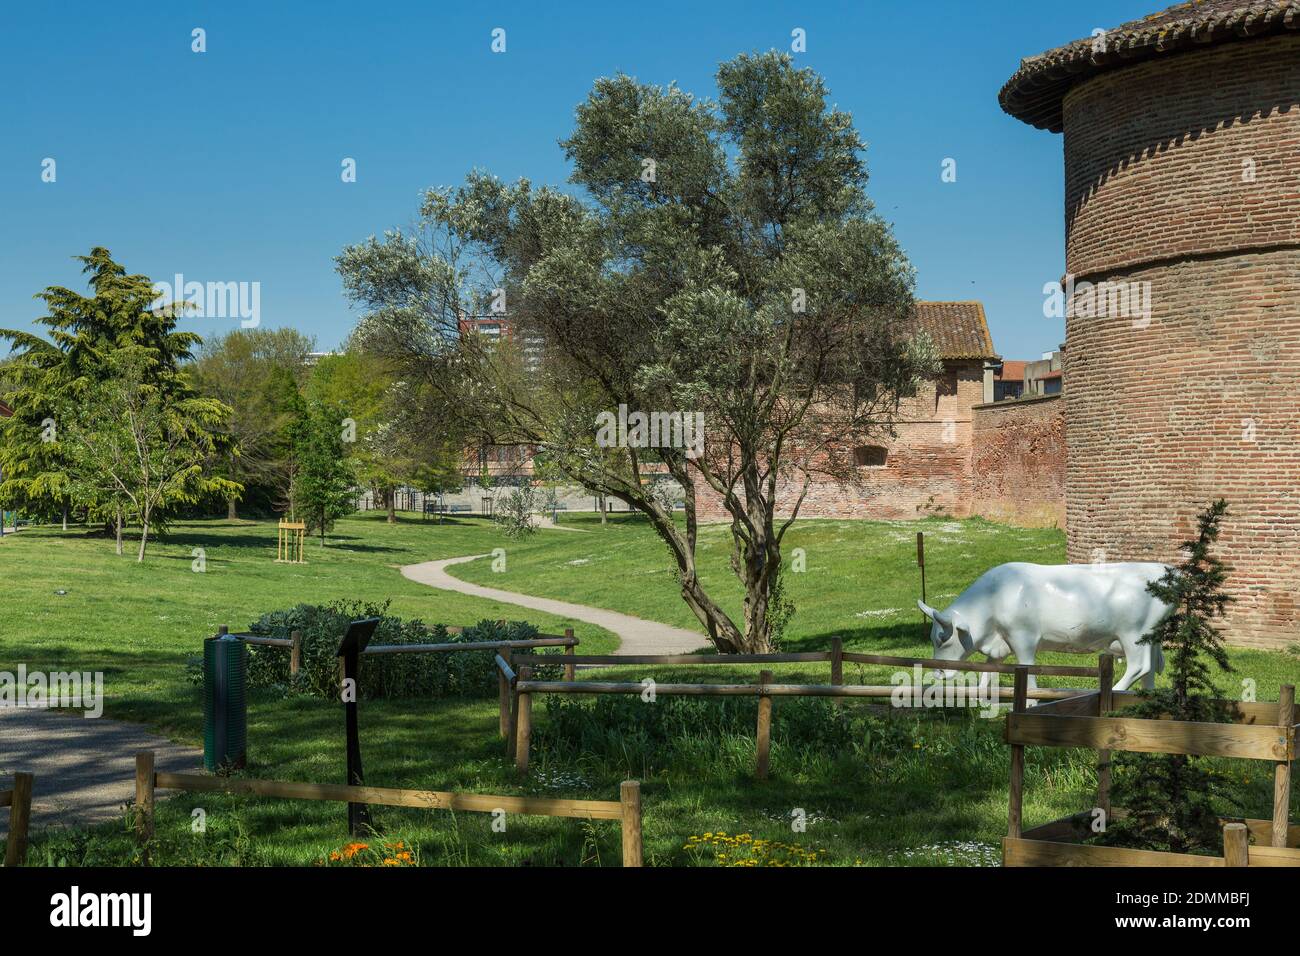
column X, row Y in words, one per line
column 953, row 456
column 1184, row 172
column 1018, row 462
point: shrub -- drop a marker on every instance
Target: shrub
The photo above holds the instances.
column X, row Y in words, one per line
column 444, row 674
column 513, row 513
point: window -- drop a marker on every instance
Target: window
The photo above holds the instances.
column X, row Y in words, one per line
column 869, row 456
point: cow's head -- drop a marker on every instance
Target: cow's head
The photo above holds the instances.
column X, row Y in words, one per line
column 949, row 634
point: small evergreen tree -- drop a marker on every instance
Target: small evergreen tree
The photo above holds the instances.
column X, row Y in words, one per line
column 1171, row 798
column 322, row 484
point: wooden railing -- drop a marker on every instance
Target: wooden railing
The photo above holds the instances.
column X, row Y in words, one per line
column 293, row 643
column 626, row 809
column 1260, row 731
column 19, row 801
column 516, row 685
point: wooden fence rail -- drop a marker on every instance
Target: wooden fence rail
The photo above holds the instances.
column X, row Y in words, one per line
column 516, row 688
column 293, row 643
column 19, row 801
column 832, row 657
column 1261, row 731
column 626, row 809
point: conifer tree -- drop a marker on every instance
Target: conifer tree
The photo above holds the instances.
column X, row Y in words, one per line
column 49, row 375
column 1171, row 799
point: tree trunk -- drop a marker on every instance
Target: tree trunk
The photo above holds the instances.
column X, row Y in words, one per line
column 758, row 630
column 604, row 507
column 144, row 537
column 118, row 531
column 65, row 516
column 390, row 500
column 723, row 633
column 231, row 514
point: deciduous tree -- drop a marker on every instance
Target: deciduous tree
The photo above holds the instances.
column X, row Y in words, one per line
column 718, row 260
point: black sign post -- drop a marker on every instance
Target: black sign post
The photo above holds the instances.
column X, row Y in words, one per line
column 350, row 648
column 920, row 560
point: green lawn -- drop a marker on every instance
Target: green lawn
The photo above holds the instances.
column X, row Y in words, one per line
column 884, row 789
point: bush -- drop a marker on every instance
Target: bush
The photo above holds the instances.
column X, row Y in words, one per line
column 513, row 513
column 443, row 674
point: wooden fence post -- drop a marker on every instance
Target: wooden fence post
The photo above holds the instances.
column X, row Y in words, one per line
column 763, row 747
column 20, row 814
column 295, row 654
column 629, row 795
column 837, row 661
column 569, row 670
column 503, row 702
column 512, row 733
column 523, row 722
column 1016, row 792
column 1282, row 769
column 1236, row 845
column 144, row 777
column 1105, row 704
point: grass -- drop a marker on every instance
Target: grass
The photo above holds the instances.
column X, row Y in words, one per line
column 891, row 789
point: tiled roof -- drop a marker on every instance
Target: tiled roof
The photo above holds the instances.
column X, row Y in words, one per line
column 958, row 329
column 1034, row 93
column 1013, row 370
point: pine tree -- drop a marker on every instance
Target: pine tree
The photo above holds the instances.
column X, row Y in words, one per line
column 1171, row 798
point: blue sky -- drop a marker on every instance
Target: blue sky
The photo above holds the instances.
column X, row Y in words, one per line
column 225, row 166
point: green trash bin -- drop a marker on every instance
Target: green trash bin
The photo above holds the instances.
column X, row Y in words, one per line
column 225, row 702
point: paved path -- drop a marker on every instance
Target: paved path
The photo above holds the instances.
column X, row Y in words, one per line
column 636, row 635
column 84, row 767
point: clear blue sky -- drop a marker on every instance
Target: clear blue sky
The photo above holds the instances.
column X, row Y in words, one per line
column 225, row 165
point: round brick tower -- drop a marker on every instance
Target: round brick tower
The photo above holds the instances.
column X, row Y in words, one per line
column 1182, row 371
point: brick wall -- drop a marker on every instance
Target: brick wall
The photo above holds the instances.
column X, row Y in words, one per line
column 1204, row 399
column 928, row 464
column 1018, row 462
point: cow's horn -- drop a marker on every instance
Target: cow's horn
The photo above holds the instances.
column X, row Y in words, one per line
column 928, row 611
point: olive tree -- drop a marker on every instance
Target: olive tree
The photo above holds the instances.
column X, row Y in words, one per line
column 718, row 262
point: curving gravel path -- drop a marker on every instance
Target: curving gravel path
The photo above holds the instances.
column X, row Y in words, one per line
column 636, row 635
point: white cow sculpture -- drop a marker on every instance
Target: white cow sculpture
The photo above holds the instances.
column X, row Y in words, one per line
column 1020, row 608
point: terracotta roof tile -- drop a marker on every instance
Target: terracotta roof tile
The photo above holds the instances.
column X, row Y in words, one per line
column 1034, row 93
column 958, row 329
column 1013, row 370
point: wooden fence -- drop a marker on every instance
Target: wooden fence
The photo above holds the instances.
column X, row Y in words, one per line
column 516, row 686
column 293, row 643
column 19, row 801
column 626, row 809
column 1263, row 731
